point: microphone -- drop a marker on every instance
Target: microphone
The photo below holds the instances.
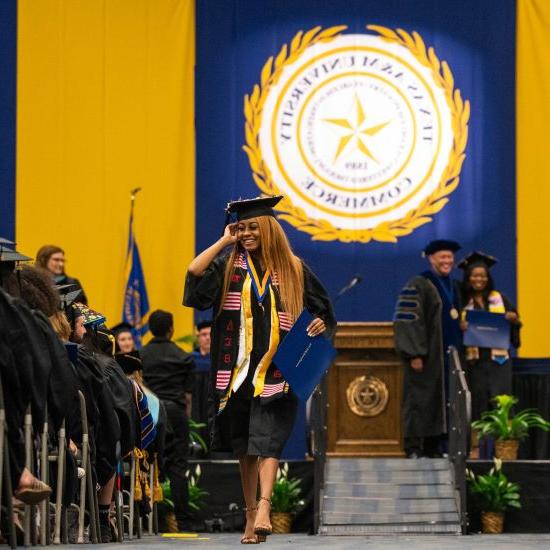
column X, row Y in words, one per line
column 355, row 280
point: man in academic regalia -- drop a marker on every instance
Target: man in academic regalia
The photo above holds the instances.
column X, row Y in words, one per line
column 426, row 324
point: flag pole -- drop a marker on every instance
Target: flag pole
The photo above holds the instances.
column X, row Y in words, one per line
column 133, row 194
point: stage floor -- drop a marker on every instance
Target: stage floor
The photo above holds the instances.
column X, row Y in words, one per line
column 225, row 540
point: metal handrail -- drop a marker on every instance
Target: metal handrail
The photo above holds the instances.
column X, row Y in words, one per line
column 318, row 447
column 460, row 413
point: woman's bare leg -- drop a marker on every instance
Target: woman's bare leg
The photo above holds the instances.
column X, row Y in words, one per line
column 249, row 480
column 267, row 468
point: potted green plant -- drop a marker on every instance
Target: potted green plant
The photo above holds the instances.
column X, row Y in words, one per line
column 507, row 430
column 285, row 500
column 196, row 498
column 197, row 444
column 496, row 494
column 196, row 494
column 167, row 505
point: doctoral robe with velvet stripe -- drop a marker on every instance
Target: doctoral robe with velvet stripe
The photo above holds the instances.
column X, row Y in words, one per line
column 418, row 333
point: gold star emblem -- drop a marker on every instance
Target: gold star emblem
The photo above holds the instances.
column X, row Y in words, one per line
column 355, row 132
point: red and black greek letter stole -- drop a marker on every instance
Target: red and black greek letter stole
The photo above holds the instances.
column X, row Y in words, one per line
column 268, row 381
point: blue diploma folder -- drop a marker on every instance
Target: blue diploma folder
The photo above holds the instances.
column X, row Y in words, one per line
column 303, row 360
column 487, row 330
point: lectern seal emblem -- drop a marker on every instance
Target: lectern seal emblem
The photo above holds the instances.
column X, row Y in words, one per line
column 367, row 396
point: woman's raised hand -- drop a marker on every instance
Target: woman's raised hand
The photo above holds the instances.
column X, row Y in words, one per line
column 230, row 233
column 316, row 327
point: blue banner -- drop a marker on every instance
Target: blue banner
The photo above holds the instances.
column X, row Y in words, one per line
column 136, row 303
column 384, row 124
column 8, row 86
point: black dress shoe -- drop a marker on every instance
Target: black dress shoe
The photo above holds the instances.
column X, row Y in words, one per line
column 414, row 454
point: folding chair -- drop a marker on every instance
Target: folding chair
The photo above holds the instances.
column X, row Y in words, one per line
column 5, row 475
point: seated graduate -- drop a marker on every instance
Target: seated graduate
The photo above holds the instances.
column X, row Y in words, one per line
column 489, row 371
column 124, row 339
column 17, row 367
column 257, row 291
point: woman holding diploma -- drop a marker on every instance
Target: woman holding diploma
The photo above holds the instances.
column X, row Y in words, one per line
column 489, row 370
column 257, row 290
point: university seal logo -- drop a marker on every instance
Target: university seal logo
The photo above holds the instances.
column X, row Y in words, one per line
column 364, row 134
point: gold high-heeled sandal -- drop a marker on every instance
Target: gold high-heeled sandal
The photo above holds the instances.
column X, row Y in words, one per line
column 254, row 539
column 263, row 529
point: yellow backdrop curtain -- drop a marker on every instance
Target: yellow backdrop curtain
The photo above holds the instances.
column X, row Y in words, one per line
column 533, row 173
column 105, row 103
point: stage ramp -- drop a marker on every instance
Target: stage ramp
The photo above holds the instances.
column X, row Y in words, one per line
column 382, row 496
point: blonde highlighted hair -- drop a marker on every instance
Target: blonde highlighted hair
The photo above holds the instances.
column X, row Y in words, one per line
column 277, row 256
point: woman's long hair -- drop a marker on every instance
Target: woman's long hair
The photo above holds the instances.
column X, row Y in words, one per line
column 44, row 254
column 468, row 291
column 277, row 256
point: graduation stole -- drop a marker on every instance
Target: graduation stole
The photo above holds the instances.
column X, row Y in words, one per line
column 237, row 332
column 496, row 305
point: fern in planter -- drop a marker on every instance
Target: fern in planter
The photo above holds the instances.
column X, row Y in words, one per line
column 498, row 424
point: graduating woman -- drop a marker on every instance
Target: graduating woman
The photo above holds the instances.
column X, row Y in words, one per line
column 257, row 291
column 489, row 371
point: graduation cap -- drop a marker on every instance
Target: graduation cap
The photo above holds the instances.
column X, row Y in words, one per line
column 478, row 258
column 9, row 254
column 91, row 318
column 129, row 362
column 252, row 208
column 122, row 327
column 67, row 300
column 440, row 244
column 67, row 296
column 204, row 324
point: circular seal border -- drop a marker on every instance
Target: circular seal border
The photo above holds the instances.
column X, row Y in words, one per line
column 323, row 230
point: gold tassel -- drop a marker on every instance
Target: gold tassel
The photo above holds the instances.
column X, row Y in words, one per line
column 138, row 494
column 158, row 495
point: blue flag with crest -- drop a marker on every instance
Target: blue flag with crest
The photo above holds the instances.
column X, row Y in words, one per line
column 136, row 303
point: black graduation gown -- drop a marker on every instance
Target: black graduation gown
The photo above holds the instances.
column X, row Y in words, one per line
column 103, row 422
column 122, row 392
column 418, row 333
column 205, row 292
column 487, row 378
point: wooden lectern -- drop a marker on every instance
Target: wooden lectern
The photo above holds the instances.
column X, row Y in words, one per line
column 364, row 393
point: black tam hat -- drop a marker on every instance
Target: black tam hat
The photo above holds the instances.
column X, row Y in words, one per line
column 252, row 208
column 477, row 258
column 440, row 244
column 129, row 362
column 122, row 327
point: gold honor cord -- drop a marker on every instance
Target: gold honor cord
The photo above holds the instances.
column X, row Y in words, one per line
column 273, row 344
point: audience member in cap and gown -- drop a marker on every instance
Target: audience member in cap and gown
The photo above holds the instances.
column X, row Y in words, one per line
column 124, row 339
column 262, row 278
column 489, row 371
column 426, row 323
